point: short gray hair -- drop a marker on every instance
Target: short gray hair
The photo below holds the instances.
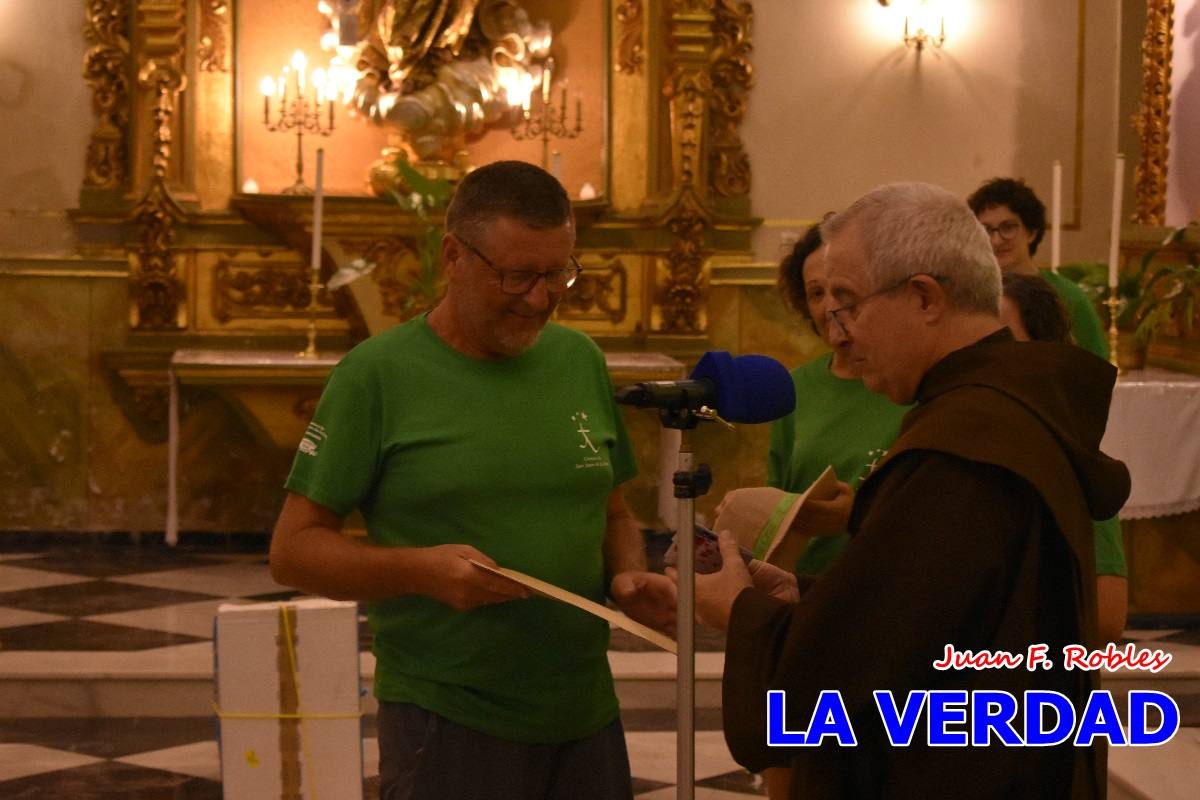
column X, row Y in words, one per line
column 910, row 228
column 515, row 189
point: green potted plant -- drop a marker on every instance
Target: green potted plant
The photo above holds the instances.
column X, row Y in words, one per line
column 1149, row 295
column 425, row 198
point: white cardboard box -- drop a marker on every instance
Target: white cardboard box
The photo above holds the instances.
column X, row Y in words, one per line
column 289, row 733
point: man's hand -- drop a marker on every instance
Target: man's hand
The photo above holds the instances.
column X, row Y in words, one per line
column 716, row 591
column 450, row 578
column 825, row 517
column 646, row 597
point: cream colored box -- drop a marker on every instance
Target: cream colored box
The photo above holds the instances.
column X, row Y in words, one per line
column 288, row 697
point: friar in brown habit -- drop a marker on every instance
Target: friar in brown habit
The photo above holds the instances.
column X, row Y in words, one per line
column 973, row 531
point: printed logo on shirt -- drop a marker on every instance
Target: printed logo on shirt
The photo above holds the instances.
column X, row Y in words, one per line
column 591, row 458
column 313, row 435
column 875, row 456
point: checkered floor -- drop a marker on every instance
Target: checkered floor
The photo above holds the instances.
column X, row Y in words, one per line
column 117, row 599
column 113, row 594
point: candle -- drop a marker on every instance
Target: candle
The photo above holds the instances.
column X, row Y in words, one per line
column 556, row 170
column 299, row 63
column 267, row 87
column 317, row 198
column 1056, row 217
column 1114, row 245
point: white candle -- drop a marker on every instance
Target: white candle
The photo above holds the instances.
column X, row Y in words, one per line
column 1056, row 217
column 1114, row 244
column 316, row 238
column 556, row 168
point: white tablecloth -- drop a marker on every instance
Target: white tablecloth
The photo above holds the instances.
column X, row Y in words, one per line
column 1154, row 427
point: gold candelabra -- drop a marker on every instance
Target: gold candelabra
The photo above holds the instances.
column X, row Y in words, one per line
column 312, row 114
column 547, row 121
column 1114, row 305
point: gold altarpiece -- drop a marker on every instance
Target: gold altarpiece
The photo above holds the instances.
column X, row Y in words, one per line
column 212, row 268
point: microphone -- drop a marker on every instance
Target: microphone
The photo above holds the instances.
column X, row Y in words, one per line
column 746, row 389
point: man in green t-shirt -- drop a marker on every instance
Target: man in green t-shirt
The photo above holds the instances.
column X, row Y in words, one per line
column 481, row 431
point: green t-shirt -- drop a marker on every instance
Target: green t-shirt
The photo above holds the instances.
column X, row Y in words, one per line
column 838, row 422
column 1085, row 322
column 516, row 457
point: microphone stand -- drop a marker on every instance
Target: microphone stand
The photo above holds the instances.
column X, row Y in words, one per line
column 689, row 484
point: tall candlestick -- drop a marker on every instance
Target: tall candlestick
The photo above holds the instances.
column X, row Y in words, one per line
column 1056, row 217
column 1114, row 244
column 314, row 285
column 317, row 209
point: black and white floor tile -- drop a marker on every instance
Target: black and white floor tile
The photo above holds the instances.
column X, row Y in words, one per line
column 122, row 602
column 127, row 602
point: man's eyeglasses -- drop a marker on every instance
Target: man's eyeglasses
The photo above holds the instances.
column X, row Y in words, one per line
column 842, row 317
column 1006, row 230
column 520, row 281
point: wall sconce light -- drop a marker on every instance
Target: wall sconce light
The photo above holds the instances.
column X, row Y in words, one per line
column 920, row 16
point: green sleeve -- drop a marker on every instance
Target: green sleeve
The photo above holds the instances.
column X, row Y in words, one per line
column 1110, row 550
column 1085, row 325
column 338, row 457
column 1085, row 322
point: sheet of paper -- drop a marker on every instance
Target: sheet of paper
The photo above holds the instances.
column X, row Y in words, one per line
column 786, row 549
column 604, row 612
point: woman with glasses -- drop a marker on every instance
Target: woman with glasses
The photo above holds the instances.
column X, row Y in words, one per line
column 838, row 422
column 1015, row 221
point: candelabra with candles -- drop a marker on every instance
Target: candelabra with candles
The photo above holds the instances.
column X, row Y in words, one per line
column 547, row 122
column 312, row 114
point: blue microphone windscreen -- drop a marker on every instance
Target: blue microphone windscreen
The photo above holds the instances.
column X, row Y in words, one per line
column 750, row 389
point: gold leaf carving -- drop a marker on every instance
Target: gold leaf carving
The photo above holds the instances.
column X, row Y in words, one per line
column 157, row 291
column 687, row 90
column 396, row 267
column 630, row 45
column 250, row 290
column 732, row 77
column 210, row 52
column 1154, row 116
column 599, row 294
column 683, row 294
column 106, row 69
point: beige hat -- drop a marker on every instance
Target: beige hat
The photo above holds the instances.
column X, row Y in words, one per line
column 756, row 515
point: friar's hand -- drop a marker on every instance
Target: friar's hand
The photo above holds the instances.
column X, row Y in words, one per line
column 825, row 517
column 716, row 591
column 646, row 597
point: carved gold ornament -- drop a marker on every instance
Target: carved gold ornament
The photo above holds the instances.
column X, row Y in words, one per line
column 252, row 291
column 105, row 67
column 1154, row 117
column 214, row 21
column 157, row 292
column 630, row 55
column 599, row 294
column 732, row 77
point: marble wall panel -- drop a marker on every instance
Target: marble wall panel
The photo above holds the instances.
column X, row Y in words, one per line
column 43, row 397
column 230, row 481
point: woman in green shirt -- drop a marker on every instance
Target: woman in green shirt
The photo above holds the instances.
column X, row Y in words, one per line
column 837, row 422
